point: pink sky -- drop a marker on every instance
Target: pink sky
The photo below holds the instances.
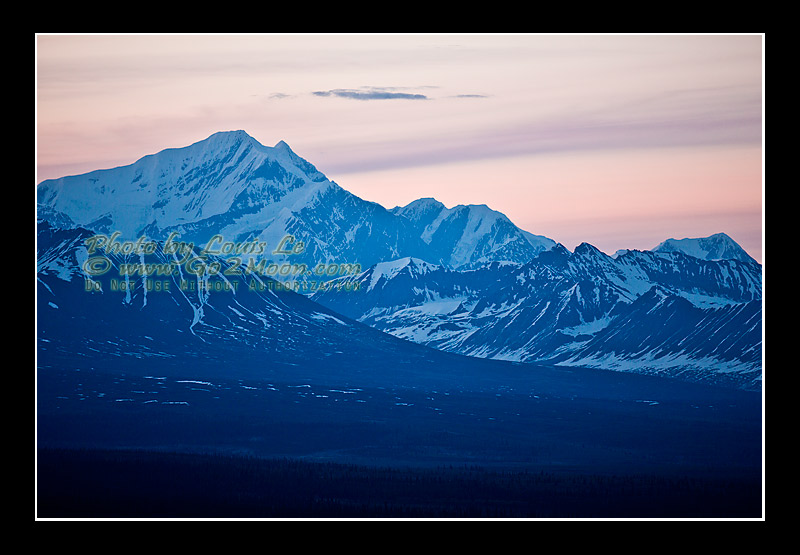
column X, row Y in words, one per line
column 619, row 141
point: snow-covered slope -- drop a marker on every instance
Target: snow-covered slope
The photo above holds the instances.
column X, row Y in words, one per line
column 232, row 186
column 578, row 308
column 665, row 334
column 469, row 235
column 173, row 322
column 186, row 185
column 228, row 185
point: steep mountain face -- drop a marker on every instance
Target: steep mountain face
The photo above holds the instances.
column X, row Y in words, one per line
column 232, row 186
column 652, row 312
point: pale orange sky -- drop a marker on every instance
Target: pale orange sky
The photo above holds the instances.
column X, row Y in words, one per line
column 634, row 199
column 619, row 141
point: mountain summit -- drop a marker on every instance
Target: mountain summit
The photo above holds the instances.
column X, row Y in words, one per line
column 716, row 247
column 228, row 174
column 231, row 185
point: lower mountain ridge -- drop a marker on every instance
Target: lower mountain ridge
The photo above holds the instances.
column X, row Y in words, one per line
column 146, row 313
column 659, row 313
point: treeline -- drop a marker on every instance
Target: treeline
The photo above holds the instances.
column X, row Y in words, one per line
column 121, row 484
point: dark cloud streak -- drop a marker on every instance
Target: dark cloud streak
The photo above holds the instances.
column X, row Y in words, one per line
column 370, row 94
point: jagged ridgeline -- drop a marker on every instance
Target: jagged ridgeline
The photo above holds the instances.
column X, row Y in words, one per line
column 231, row 187
column 228, row 214
column 663, row 313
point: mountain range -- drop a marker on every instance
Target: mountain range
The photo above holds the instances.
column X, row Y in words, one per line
column 422, row 277
column 231, row 185
column 651, row 312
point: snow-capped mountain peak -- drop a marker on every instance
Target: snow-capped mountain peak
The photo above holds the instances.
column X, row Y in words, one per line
column 419, row 205
column 226, row 173
column 230, row 184
column 586, row 249
column 468, row 235
column 715, row 247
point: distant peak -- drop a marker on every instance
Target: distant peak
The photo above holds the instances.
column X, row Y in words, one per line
column 558, row 248
column 586, row 248
column 419, row 206
column 714, row 237
column 555, row 254
column 718, row 246
column 425, row 201
column 477, row 208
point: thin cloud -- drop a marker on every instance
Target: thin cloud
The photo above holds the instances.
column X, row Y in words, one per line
column 387, row 93
column 370, row 94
